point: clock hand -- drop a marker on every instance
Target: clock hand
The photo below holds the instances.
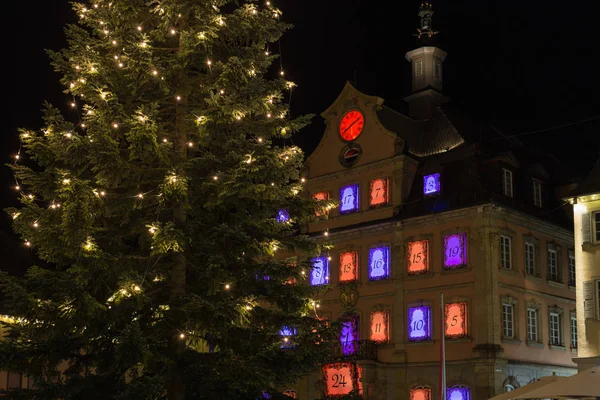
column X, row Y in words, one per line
column 350, row 126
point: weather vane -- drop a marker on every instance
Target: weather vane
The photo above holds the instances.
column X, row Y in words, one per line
column 426, row 12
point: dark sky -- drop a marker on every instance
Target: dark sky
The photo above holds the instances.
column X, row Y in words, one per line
column 521, row 65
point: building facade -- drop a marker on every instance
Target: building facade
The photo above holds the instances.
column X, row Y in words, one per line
column 586, row 201
column 426, row 208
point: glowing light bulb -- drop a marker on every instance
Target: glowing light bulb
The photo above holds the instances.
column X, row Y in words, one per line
column 178, row 98
column 53, row 206
column 73, row 105
column 28, row 244
column 238, row 117
column 326, row 233
column 69, row 135
column 303, row 272
column 121, row 65
column 139, row 28
column 102, row 193
column 222, row 91
column 181, row 336
column 266, row 53
column 35, row 224
column 137, row 288
column 66, row 181
column 165, row 140
column 303, row 180
column 227, row 287
column 248, row 308
column 116, row 57
column 268, row 3
column 209, row 62
column 115, row 125
column 140, row 196
column 17, row 187
column 260, row 140
column 114, row 42
column 281, row 73
column 155, row 72
column 268, row 115
column 72, row 85
column 215, row 177
column 17, row 156
column 173, row 31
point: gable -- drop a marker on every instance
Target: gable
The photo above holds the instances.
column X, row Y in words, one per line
column 375, row 143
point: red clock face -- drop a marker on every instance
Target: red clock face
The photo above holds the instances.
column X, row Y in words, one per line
column 351, row 125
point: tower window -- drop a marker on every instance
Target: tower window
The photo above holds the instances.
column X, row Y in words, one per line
column 418, row 68
column 507, row 182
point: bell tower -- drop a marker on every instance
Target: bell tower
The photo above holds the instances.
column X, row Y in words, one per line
column 427, row 68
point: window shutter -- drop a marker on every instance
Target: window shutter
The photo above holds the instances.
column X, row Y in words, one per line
column 586, row 228
column 588, row 299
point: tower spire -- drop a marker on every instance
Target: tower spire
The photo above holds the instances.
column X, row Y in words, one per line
column 426, row 26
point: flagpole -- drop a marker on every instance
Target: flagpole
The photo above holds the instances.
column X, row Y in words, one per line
column 442, row 353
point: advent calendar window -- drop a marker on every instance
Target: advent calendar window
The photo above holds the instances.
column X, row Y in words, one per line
column 287, row 334
column 349, row 199
column 321, row 196
column 455, row 251
column 419, row 323
column 418, row 257
column 349, row 266
column 458, row 393
column 431, row 184
column 319, row 274
column 349, row 336
column 380, row 327
column 283, row 216
column 420, row 393
column 378, row 192
column 455, row 320
column 342, row 378
column 379, row 263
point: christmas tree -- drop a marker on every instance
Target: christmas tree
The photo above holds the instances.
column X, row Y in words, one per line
column 168, row 210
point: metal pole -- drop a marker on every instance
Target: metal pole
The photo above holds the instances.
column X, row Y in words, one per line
column 442, row 353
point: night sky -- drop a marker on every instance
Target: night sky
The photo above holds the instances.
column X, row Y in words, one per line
column 522, row 66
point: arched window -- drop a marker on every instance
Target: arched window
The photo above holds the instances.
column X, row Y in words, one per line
column 420, row 393
column 458, row 392
column 508, row 388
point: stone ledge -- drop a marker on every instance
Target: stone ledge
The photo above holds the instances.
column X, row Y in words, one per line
column 557, row 347
column 511, row 341
column 538, row 345
column 555, row 284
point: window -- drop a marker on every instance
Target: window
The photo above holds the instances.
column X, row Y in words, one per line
column 419, row 323
column 283, row 216
column 418, row 257
column 555, row 329
column 458, row 392
column 437, row 69
column 507, row 182
column 431, row 184
column 597, row 226
column 378, row 192
column 380, row 326
column 418, row 68
column 349, row 199
column 552, row 265
column 321, row 196
column 291, row 393
column 420, row 393
column 530, row 258
column 379, row 266
column 571, row 268
column 508, row 321
column 349, row 336
column 455, row 320
column 455, row 251
column 342, row 378
column 508, row 388
column 14, row 380
column 505, row 252
column 349, row 266
column 532, row 325
column 573, row 331
column 537, row 193
column 319, row 274
column 287, row 334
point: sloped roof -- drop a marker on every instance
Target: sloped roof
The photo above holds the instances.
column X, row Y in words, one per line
column 591, row 184
column 424, row 137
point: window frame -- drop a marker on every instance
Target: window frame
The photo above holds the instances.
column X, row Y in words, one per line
column 507, row 183
column 529, row 319
column 573, row 330
column 572, row 281
column 505, row 252
column 508, row 320
column 537, row 194
column 530, row 262
column 559, row 336
column 554, row 277
column 596, row 226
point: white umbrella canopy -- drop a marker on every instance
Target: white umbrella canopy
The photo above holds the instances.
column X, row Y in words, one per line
column 583, row 384
column 541, row 382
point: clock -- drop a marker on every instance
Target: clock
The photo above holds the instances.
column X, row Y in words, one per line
column 351, row 125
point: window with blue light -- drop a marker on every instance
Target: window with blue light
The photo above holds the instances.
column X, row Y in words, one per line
column 319, row 274
column 349, row 201
column 379, row 263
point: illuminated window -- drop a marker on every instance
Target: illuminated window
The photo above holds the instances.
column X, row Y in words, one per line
column 507, row 182
column 342, row 378
column 418, row 259
column 380, row 326
column 283, row 216
column 458, row 392
column 455, row 320
column 378, row 192
column 291, row 393
column 349, row 336
column 455, row 251
column 419, row 323
column 321, row 196
column 379, row 266
column 319, row 274
column 349, row 199
column 349, row 266
column 287, row 333
column 431, row 184
column 420, row 393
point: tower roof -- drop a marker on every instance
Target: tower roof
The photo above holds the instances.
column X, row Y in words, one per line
column 591, row 184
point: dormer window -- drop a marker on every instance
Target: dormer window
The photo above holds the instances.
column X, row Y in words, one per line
column 537, row 193
column 507, row 182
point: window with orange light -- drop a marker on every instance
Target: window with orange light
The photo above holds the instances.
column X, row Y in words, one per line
column 349, row 266
column 455, row 320
column 418, row 257
column 321, row 196
column 420, row 393
column 342, row 378
column 291, row 393
column 380, row 331
column 378, row 192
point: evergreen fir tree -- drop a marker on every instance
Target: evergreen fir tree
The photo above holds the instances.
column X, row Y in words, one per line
column 157, row 210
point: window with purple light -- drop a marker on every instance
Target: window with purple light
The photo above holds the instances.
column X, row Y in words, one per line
column 455, row 251
column 431, row 184
column 286, row 334
column 319, row 274
column 379, row 263
column 283, row 216
column 419, row 323
column 349, row 336
column 349, row 199
column 458, row 393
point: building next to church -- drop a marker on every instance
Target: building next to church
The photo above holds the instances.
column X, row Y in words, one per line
column 428, row 206
column 586, row 201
